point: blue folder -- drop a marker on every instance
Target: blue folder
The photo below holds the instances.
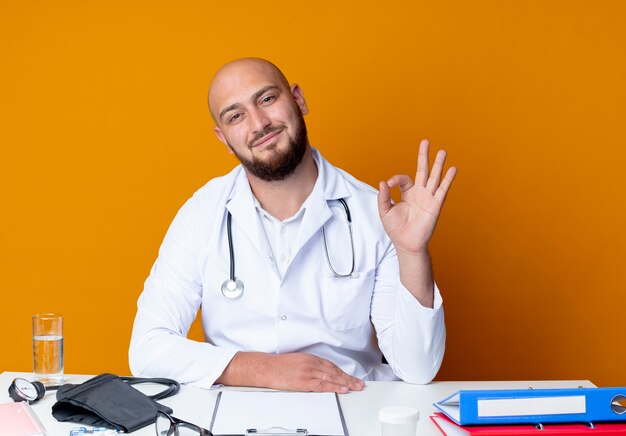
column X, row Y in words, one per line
column 535, row 406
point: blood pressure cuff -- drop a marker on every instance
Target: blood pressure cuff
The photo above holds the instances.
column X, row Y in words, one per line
column 106, row 401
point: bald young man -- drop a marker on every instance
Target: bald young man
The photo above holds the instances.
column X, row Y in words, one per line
column 319, row 302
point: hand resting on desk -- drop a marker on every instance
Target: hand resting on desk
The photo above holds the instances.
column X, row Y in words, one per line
column 290, row 372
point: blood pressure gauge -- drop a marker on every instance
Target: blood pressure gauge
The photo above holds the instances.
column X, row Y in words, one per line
column 24, row 390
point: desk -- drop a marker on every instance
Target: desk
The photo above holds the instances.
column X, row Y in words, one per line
column 360, row 408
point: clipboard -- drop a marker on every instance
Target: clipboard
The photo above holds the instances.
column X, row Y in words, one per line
column 277, row 413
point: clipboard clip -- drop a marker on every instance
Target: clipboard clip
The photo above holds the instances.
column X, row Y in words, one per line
column 277, row 431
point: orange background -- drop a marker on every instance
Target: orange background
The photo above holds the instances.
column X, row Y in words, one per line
column 105, row 133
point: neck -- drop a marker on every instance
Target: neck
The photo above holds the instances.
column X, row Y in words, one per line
column 283, row 198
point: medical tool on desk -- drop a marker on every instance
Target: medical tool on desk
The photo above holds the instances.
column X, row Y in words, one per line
column 25, row 390
column 233, row 287
column 31, row 391
column 110, row 401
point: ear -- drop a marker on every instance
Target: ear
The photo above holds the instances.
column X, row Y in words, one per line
column 298, row 97
column 220, row 136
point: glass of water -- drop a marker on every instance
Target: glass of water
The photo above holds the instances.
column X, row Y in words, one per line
column 48, row 348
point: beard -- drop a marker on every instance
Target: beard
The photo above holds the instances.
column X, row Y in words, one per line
column 280, row 164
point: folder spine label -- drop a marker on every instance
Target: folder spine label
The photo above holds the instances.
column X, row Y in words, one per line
column 531, row 406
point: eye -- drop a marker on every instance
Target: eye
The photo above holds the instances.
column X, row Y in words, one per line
column 234, row 118
column 267, row 99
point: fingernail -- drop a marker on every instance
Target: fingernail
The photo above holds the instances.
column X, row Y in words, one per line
column 343, row 389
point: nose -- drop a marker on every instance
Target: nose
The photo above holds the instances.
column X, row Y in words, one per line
column 258, row 120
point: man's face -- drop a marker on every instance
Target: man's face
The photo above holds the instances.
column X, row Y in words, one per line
column 260, row 118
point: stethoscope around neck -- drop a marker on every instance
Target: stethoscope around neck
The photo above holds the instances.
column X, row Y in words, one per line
column 233, row 287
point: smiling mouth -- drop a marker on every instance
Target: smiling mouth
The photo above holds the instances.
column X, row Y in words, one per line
column 267, row 138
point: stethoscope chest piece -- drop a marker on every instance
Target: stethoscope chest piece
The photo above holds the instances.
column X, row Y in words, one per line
column 232, row 288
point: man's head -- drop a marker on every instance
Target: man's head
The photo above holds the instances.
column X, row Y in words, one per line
column 259, row 117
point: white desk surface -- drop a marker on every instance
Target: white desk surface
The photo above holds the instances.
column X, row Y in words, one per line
column 360, row 408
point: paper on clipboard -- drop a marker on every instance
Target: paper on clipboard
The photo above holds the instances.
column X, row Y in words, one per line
column 317, row 412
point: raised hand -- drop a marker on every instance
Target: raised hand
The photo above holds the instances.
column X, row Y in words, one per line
column 410, row 223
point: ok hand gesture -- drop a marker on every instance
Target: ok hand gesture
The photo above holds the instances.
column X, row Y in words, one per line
column 410, row 223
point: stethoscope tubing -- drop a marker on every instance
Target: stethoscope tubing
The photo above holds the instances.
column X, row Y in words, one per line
column 229, row 231
column 232, row 287
column 330, row 264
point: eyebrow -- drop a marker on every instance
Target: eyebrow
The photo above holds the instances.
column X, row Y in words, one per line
column 255, row 96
